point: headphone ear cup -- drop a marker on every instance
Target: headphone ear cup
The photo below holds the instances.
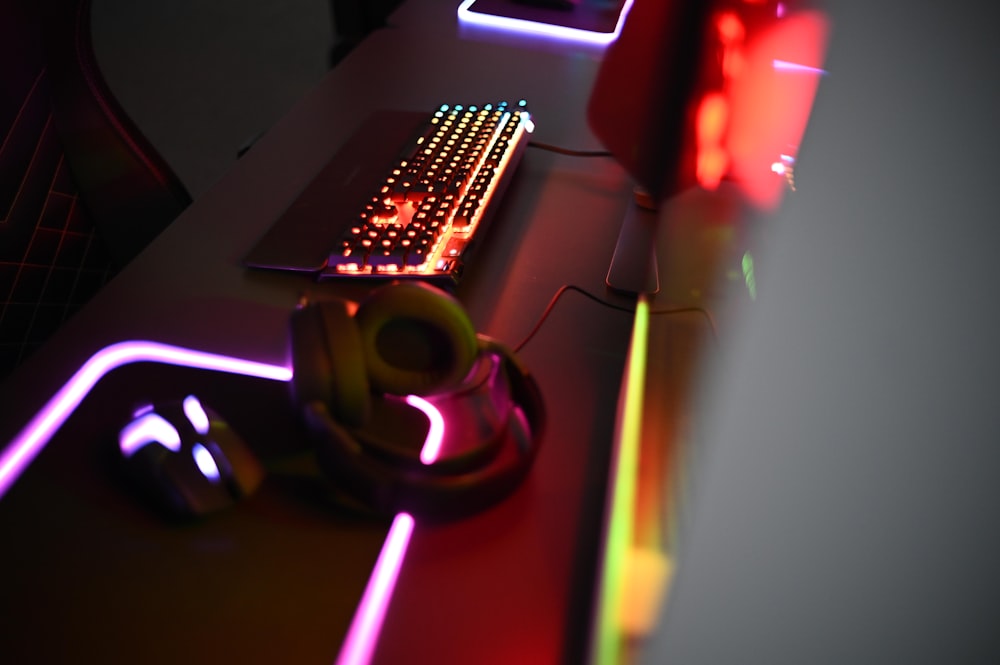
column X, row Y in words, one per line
column 434, row 491
column 415, row 338
column 328, row 361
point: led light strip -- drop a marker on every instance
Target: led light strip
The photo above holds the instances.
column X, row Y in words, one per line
column 359, row 645
column 607, row 640
column 362, row 636
column 466, row 15
column 36, row 434
column 367, row 622
column 432, row 444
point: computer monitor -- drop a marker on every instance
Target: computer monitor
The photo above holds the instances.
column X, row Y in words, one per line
column 697, row 94
column 844, row 499
column 704, row 105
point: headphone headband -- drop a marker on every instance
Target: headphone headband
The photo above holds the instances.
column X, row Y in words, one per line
column 426, row 491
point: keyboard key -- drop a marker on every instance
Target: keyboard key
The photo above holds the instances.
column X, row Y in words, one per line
column 423, row 215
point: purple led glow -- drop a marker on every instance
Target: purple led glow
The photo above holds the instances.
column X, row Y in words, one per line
column 148, row 428
column 146, row 408
column 36, row 434
column 206, row 463
column 363, row 633
column 432, row 444
column 467, row 16
column 785, row 66
column 368, row 618
column 367, row 623
column 195, row 412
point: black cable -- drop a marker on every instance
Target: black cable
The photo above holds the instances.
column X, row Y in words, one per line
column 691, row 310
column 570, row 287
column 568, row 151
column 601, row 301
column 552, row 303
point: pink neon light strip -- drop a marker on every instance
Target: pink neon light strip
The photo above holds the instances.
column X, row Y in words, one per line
column 432, row 444
column 466, row 15
column 37, row 433
column 363, row 634
column 367, row 623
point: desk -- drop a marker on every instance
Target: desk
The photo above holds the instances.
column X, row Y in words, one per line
column 277, row 579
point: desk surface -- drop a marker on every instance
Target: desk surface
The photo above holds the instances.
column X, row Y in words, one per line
column 96, row 575
column 880, row 507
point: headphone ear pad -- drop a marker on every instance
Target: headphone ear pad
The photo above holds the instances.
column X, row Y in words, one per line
column 434, row 491
column 416, row 338
column 328, row 361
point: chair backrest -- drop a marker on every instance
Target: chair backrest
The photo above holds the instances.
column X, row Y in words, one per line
column 81, row 190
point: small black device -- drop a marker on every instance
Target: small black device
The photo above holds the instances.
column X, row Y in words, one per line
column 187, row 459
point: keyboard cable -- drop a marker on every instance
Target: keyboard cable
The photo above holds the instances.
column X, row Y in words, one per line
column 562, row 290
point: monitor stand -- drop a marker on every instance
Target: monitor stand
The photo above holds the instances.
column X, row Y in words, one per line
column 633, row 267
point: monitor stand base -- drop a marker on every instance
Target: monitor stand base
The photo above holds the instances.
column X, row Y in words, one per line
column 633, row 267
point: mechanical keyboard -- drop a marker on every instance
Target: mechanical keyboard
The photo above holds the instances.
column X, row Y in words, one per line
column 423, row 213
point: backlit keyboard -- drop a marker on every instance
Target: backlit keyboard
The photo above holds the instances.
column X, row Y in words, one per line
column 424, row 215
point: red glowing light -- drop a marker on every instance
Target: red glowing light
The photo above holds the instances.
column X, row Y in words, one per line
column 771, row 106
column 756, row 115
column 711, row 167
column 710, row 130
column 730, row 28
column 712, row 118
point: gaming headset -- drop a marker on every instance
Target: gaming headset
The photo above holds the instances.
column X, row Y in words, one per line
column 362, row 378
column 407, row 408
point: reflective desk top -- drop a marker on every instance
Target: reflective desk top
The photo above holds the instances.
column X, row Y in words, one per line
column 278, row 578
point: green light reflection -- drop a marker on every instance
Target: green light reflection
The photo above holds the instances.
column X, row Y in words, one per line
column 608, row 649
column 748, row 275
